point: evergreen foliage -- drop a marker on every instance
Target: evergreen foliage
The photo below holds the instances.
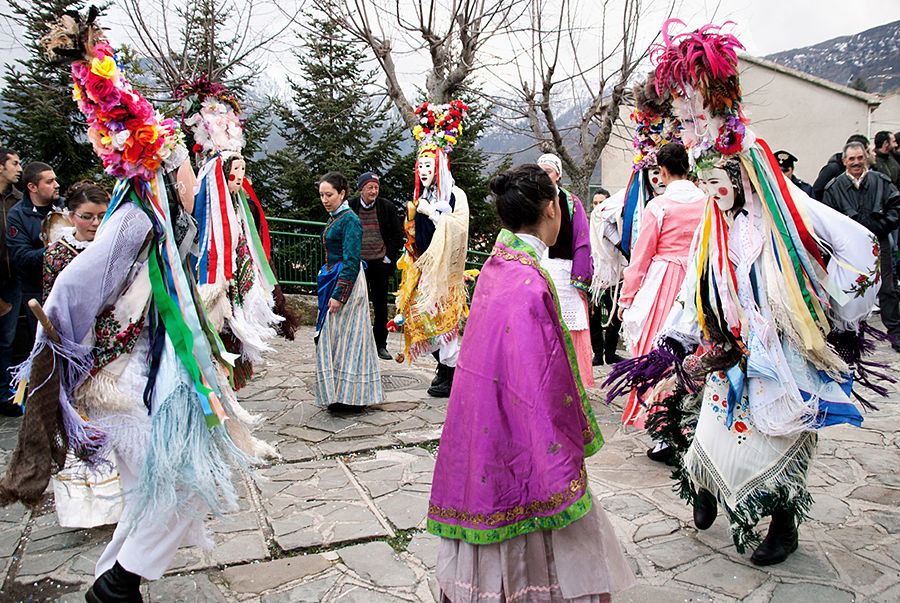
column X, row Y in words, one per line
column 331, row 123
column 43, row 122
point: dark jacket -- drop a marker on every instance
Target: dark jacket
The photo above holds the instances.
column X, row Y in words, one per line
column 875, row 205
column 23, row 239
column 888, row 166
column 388, row 223
column 8, row 200
column 832, row 169
column 803, row 186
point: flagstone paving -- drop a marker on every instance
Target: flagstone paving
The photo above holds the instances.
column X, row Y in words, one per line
column 341, row 516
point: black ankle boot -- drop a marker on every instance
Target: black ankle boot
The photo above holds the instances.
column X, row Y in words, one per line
column 115, row 585
column 440, row 374
column 705, row 507
column 780, row 541
column 441, row 389
column 666, row 454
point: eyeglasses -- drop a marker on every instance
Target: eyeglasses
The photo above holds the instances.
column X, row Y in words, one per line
column 91, row 217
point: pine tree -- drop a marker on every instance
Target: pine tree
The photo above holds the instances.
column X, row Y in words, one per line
column 330, row 124
column 42, row 121
column 860, row 84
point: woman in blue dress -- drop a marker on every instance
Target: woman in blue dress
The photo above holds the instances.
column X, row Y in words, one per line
column 347, row 375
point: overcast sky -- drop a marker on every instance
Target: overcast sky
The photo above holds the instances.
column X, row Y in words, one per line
column 763, row 26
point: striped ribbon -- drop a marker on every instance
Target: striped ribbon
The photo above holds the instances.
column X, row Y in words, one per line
column 631, row 212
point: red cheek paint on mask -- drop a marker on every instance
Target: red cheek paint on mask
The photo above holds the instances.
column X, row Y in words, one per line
column 723, row 191
column 231, row 177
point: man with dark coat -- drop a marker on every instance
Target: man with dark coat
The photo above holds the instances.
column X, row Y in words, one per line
column 835, row 167
column 381, row 242
column 10, row 293
column 23, row 231
column 872, row 200
column 884, row 159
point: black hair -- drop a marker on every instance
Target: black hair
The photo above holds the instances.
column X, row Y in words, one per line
column 674, row 158
column 881, row 138
column 521, row 193
column 860, row 139
column 600, row 190
column 32, row 172
column 5, row 154
column 85, row 192
column 335, row 179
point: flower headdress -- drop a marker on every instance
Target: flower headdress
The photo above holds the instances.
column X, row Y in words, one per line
column 130, row 138
column 654, row 124
column 210, row 113
column 439, row 125
column 700, row 69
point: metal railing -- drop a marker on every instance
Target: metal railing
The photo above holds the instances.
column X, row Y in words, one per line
column 297, row 254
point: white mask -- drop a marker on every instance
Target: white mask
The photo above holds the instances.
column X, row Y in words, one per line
column 236, row 177
column 655, row 179
column 426, row 171
column 718, row 187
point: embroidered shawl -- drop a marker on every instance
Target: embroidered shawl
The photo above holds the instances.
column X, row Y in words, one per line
column 519, row 424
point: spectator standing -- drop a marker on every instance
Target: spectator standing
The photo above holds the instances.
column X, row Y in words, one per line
column 382, row 239
column 896, row 151
column 871, row 199
column 604, row 344
column 884, row 159
column 786, row 162
column 10, row 292
column 23, row 231
column 835, row 167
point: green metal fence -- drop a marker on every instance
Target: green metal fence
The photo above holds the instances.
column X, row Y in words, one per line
column 297, row 254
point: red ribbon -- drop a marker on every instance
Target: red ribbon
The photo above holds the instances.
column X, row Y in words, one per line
column 263, row 225
column 805, row 237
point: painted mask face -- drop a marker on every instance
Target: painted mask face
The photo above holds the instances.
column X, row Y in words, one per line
column 426, row 170
column 717, row 185
column 236, row 177
column 655, row 179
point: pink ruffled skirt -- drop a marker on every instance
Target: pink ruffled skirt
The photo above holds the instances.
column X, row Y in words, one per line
column 582, row 563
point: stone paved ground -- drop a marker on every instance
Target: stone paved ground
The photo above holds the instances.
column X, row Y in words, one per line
column 341, row 517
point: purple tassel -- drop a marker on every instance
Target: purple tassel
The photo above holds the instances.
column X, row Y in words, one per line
column 852, row 347
column 644, row 372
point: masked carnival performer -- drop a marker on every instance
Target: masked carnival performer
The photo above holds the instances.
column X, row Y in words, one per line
column 347, row 373
column 510, row 498
column 568, row 262
column 431, row 302
column 126, row 363
column 769, row 311
column 654, row 127
column 236, row 281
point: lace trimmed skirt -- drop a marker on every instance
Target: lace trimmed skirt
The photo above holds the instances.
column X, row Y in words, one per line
column 582, row 563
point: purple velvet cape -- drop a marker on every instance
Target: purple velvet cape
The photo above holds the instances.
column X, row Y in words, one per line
column 519, row 425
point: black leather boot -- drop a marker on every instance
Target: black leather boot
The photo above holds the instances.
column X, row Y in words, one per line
column 662, row 453
column 438, row 373
column 115, row 585
column 705, row 508
column 780, row 541
column 441, row 389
